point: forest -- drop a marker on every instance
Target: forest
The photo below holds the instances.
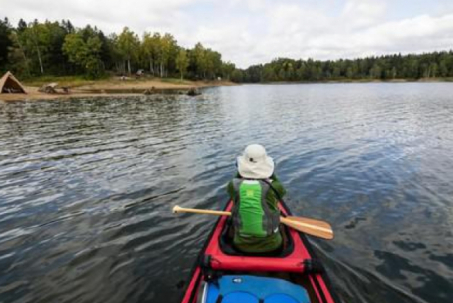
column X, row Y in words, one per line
column 388, row 67
column 48, row 48
column 59, row 49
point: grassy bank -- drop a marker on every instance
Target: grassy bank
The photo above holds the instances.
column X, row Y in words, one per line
column 71, row 81
column 79, row 81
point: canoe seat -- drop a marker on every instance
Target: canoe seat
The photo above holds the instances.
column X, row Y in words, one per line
column 251, row 289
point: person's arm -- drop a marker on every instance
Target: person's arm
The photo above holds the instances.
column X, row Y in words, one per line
column 275, row 193
column 230, row 190
column 278, row 186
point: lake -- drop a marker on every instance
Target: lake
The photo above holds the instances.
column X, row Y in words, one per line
column 87, row 187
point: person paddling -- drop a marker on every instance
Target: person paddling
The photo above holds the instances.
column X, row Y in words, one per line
column 255, row 192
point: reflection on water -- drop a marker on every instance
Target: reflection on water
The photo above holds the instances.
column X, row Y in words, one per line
column 86, row 187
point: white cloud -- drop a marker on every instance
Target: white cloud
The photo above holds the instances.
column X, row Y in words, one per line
column 256, row 31
column 361, row 13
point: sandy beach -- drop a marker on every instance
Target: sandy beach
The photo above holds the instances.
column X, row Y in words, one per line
column 113, row 87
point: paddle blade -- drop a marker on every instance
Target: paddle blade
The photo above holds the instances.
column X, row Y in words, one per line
column 315, row 222
column 324, row 232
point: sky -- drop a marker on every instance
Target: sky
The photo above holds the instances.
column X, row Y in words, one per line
column 250, row 32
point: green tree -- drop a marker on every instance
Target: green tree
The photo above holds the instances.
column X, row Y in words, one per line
column 168, row 53
column 443, row 69
column 199, row 54
column 54, row 57
column 157, row 51
column 18, row 61
column 238, row 76
column 227, row 69
column 84, row 52
column 117, row 58
column 182, row 62
column 150, row 48
column 375, row 71
column 434, row 68
column 36, row 41
column 128, row 45
column 213, row 63
column 5, row 42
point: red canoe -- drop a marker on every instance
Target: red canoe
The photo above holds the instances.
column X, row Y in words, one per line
column 222, row 274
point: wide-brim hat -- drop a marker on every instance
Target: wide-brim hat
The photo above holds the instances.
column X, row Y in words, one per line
column 255, row 163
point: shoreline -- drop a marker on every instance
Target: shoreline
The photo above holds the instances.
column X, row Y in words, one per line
column 111, row 87
column 137, row 87
column 421, row 80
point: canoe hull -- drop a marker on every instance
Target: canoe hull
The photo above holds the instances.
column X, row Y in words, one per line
column 297, row 266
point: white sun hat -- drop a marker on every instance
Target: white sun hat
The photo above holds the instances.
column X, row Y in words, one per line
column 255, row 163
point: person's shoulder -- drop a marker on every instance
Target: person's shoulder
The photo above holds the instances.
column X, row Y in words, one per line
column 234, row 182
column 277, row 185
column 274, row 178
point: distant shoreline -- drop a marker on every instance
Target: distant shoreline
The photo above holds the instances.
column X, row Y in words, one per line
column 79, row 88
column 421, row 80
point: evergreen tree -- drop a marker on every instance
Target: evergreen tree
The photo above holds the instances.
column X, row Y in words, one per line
column 5, row 42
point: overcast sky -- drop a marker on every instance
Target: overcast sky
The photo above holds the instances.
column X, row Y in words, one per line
column 256, row 31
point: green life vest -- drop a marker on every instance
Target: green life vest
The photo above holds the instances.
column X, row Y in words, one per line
column 252, row 216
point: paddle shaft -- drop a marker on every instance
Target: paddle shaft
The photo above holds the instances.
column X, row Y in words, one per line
column 178, row 209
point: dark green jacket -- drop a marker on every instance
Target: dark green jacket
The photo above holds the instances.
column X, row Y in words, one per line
column 252, row 244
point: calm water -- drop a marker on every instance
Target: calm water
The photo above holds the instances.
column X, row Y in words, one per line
column 86, row 187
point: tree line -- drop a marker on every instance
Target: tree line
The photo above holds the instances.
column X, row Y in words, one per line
column 60, row 49
column 389, row 67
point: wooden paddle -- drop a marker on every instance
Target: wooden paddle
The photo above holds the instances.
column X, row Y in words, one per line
column 312, row 227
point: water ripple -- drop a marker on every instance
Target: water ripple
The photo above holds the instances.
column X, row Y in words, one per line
column 86, row 187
